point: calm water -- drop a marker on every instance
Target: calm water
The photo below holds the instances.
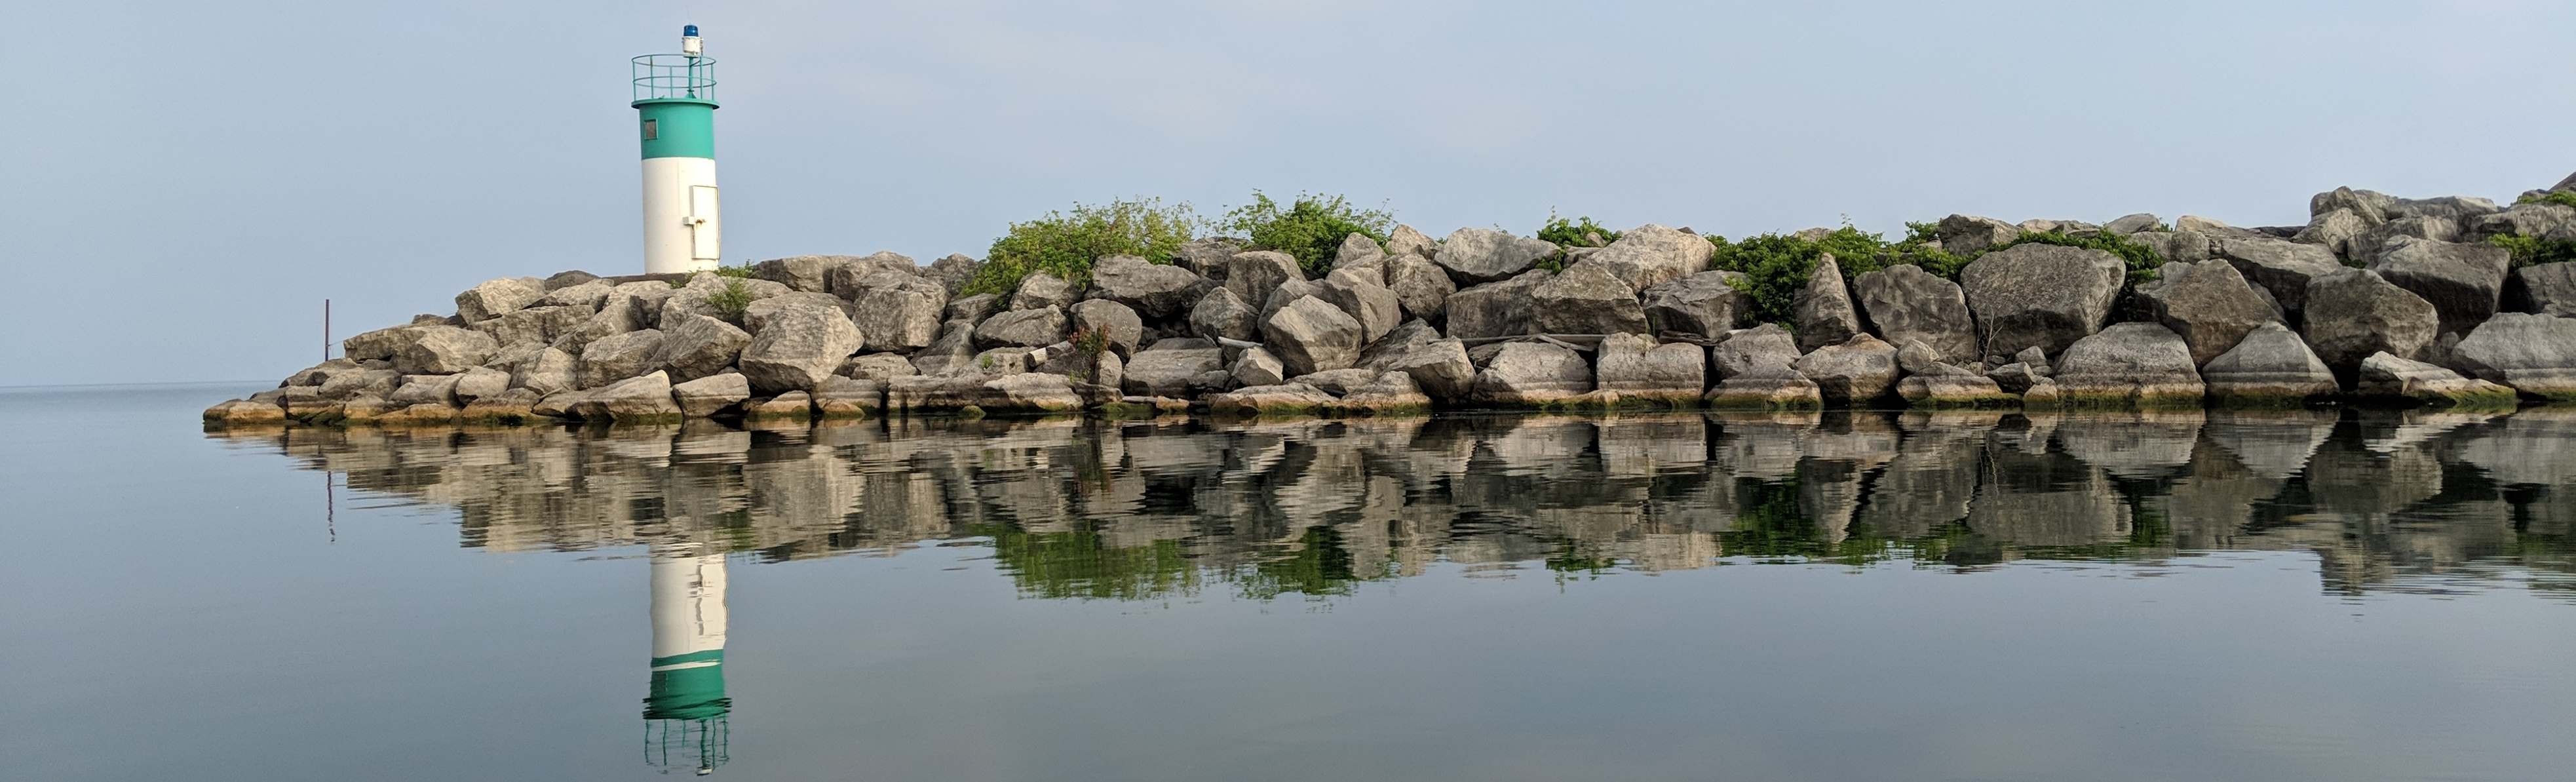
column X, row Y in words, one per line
column 2284, row 596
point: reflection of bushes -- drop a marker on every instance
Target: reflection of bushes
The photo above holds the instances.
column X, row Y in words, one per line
column 1080, row 564
column 1320, row 566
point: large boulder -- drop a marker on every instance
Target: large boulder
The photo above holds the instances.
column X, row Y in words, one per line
column 566, row 279
column 953, row 271
column 1337, row 381
column 380, row 344
column 1360, row 294
column 1389, row 392
column 2354, row 313
column 1587, row 299
column 695, row 346
column 2140, row 364
column 1359, row 251
column 1858, row 371
column 619, row 313
column 712, row 394
column 1475, row 256
column 1421, row 287
column 798, row 349
column 495, row 298
column 2041, row 295
column 479, row 383
column 1904, row 303
column 619, row 356
column 1172, row 367
column 1031, row 393
column 805, row 273
column 366, row 382
column 2461, row 209
column 2376, row 240
column 1496, row 309
column 443, row 350
column 1743, row 349
column 758, row 315
column 877, row 366
column 534, row 325
column 2464, row 282
column 1311, row 335
column 2534, row 354
column 843, row 274
column 2183, row 246
column 952, row 353
column 1222, row 315
column 1252, row 276
column 1651, row 255
column 426, row 390
column 1634, row 367
column 1118, row 325
column 898, row 311
column 1405, row 240
column 2270, row 366
column 1256, row 367
column 2334, row 230
column 1768, row 385
column 550, row 371
column 1825, row 315
column 1027, row 328
column 1207, row 257
column 1282, row 399
column 842, row 397
column 1965, row 234
column 1155, row 291
column 2209, row 303
column 1439, row 368
column 2548, row 289
column 705, row 294
column 2372, row 207
column 644, row 399
column 2538, row 219
column 1707, row 305
column 2279, row 265
column 1531, row 373
column 2387, row 378
column 1040, row 290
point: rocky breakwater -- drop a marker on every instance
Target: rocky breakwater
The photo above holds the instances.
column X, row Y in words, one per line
column 2378, row 299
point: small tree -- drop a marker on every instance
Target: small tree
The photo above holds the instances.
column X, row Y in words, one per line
column 1311, row 228
column 1066, row 244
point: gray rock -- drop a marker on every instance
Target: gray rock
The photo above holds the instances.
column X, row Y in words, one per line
column 1743, row 349
column 952, row 353
column 1652, row 255
column 351, row 385
column 2130, row 224
column 1283, row 399
column 757, row 316
column 1005, row 360
column 1388, row 392
column 1915, row 358
column 1311, row 335
column 1154, row 291
column 426, row 390
column 1033, row 393
column 1531, row 373
column 2534, row 354
column 1439, row 367
column 1633, row 366
column 1118, row 324
column 1256, row 367
column 1386, row 349
column 1964, row 234
column 953, row 272
column 566, row 279
column 2140, row 364
column 807, row 273
column 1497, row 309
column 380, row 344
column 2539, row 220
column 1207, row 258
column 712, row 394
column 2333, row 229
column 2464, row 282
column 1253, row 276
column 2017, row 377
column 1859, row 370
column 1358, row 250
column 2270, row 366
column 619, row 356
column 495, row 298
column 443, row 350
column 2355, row 313
column 586, row 295
column 1062, row 358
column 1362, row 296
column 1766, row 386
column 877, row 366
column 1905, row 303
column 1337, row 381
column 534, row 325
column 1221, row 314
column 618, row 314
column 1825, row 315
column 2386, row 377
column 644, row 399
column 698, row 297
column 1169, row 367
column 2043, row 296
column 1407, row 241
column 2547, row 288
column 1289, row 291
column 695, row 346
column 551, row 371
column 797, row 350
column 1041, row 290
column 2209, row 304
column 2370, row 206
column 2281, row 266
column 480, row 382
column 1027, row 328
column 1706, row 305
column 842, row 397
column 2458, row 209
column 2375, row 241
column 1421, row 287
column 1953, row 391
column 972, row 309
column 901, row 311
column 1476, row 256
column 1587, row 299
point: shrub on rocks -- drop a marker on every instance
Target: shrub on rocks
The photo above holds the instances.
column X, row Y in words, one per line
column 1579, row 232
column 1066, row 244
column 1310, row 229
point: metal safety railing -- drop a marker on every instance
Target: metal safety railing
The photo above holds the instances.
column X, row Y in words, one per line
column 659, row 76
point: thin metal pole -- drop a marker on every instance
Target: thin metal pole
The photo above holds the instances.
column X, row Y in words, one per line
column 326, row 329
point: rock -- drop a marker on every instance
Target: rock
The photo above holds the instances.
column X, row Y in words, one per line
column 2270, row 366
column 1207, row 258
column 1027, row 328
column 2039, row 295
column 1706, row 305
column 1635, row 367
column 842, row 397
column 1119, row 326
column 2281, row 266
column 807, row 273
column 2076, row 228
column 1652, row 255
column 2208, row 303
column 1222, row 315
column 699, row 297
column 924, row 393
column 1168, row 367
column 426, row 390
column 2539, row 220
column 1256, row 367
column 566, row 279
column 1252, row 276
column 586, row 295
column 350, row 385
column 2354, row 313
column 443, row 350
column 495, row 298
column 1337, row 381
column 1031, row 393
column 2385, row 377
column 1004, row 360
column 1857, row 371
column 710, row 395
column 1041, row 290
column 1421, row 287
column 1904, row 303
column 2129, row 364
column 2129, row 224
column 2334, row 230
column 534, row 325
column 952, row 353
column 1365, row 299
column 876, row 366
column 1914, row 358
column 899, row 311
column 797, row 350
column 1290, row 398
column 1378, row 355
column 2458, row 209
column 1965, row 234
column 481, row 382
column 790, row 406
column 1498, row 309
column 1530, row 373
column 1407, row 241
column 1476, row 256
column 1587, row 299
column 952, row 272
column 2016, row 377
column 1825, row 315
column 2533, row 354
column 2547, row 288
column 972, row 309
column 1439, row 367
column 1389, row 392
column 243, row 412
column 757, row 316
column 618, row 314
column 548, row 371
column 619, row 356
column 2464, row 282
column 2042, row 394
column 2370, row 207
column 1743, row 349
column 1766, row 386
column 2212, row 228
column 1953, row 392
column 380, row 344
column 2375, row 241
column 695, row 346
column 1154, row 291
column 1063, row 358
column 1310, row 335
column 364, row 409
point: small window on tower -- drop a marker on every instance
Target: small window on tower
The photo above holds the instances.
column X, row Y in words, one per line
column 652, row 129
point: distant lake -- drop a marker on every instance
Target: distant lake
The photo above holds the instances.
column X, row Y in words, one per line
column 2301, row 595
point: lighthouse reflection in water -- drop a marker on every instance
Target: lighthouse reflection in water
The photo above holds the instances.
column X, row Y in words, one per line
column 684, row 716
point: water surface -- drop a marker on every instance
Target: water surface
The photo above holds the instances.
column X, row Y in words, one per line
column 2289, row 596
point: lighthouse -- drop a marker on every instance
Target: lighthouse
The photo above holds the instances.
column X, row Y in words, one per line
column 675, row 109
column 686, row 708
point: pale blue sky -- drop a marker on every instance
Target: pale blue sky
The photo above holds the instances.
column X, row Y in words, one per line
column 185, row 182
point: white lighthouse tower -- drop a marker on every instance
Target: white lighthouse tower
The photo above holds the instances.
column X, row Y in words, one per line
column 675, row 109
column 685, row 712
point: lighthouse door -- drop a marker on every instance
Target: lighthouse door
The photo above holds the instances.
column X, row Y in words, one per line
column 703, row 224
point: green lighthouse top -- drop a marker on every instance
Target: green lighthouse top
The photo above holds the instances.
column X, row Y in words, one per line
column 674, row 78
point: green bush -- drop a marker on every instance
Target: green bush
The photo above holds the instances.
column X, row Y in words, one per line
column 2528, row 250
column 1066, row 244
column 1776, row 267
column 742, row 272
column 1579, row 232
column 2141, row 260
column 731, row 301
column 2559, row 197
column 1311, row 228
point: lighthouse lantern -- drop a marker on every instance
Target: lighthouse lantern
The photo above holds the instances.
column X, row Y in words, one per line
column 674, row 100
